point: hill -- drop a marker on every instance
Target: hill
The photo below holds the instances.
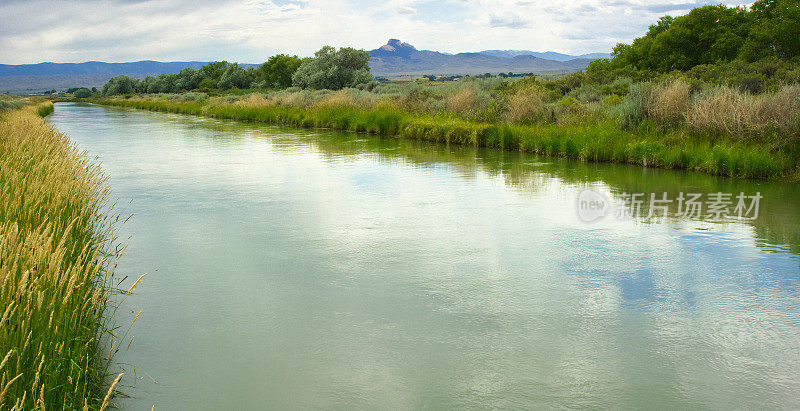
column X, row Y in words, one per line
column 399, row 58
column 547, row 55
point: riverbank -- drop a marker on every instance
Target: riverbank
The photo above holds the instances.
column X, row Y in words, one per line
column 599, row 141
column 55, row 268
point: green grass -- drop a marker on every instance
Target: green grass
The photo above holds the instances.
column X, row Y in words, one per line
column 55, row 269
column 601, row 141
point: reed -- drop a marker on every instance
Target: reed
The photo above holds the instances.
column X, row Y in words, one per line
column 596, row 140
column 55, row 268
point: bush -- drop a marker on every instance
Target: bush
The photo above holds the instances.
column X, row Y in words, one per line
column 587, row 93
column 82, row 92
column 613, row 100
column 633, row 111
column 669, row 102
column 752, row 85
column 527, row 106
column 333, row 69
column 11, row 104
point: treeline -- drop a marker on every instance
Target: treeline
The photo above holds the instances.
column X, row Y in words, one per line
column 330, row 68
column 756, row 49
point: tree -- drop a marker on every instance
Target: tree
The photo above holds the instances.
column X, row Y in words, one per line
column 234, row 76
column 706, row 35
column 775, row 30
column 188, row 79
column 120, row 85
column 82, row 92
column 334, row 69
column 278, row 70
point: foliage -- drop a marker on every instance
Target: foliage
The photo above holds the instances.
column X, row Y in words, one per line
column 277, row 71
column 712, row 34
column 333, row 69
column 120, row 85
column 82, row 92
column 234, row 76
column 596, row 141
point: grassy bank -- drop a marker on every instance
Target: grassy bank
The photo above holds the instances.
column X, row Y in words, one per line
column 54, row 268
column 601, row 140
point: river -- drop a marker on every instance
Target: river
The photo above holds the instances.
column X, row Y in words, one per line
column 292, row 268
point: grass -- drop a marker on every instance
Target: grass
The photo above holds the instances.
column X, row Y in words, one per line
column 55, row 268
column 601, row 141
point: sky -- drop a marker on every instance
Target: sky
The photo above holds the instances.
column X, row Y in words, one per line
column 33, row 31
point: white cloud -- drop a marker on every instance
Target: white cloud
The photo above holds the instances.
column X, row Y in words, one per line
column 250, row 31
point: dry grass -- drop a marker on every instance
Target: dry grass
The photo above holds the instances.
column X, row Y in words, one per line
column 55, row 268
column 780, row 110
column 526, row 106
column 254, row 100
column 670, row 102
column 463, row 101
column 346, row 98
column 726, row 110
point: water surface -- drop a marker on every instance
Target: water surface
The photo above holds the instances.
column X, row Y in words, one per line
column 297, row 268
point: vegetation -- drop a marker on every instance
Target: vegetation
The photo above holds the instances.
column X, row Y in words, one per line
column 328, row 69
column 713, row 34
column 277, row 72
column 334, row 69
column 718, row 81
column 55, row 269
column 598, row 140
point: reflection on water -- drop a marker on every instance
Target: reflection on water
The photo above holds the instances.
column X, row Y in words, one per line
column 297, row 268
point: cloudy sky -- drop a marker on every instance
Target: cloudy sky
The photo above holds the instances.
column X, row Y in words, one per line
column 33, row 31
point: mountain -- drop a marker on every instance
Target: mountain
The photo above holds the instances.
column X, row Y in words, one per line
column 36, row 78
column 393, row 58
column 97, row 67
column 547, row 55
column 399, row 58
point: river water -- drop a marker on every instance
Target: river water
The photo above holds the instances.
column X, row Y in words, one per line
column 294, row 268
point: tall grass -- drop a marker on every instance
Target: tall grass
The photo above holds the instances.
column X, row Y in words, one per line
column 600, row 140
column 55, row 268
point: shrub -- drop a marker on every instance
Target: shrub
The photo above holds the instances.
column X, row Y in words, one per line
column 752, row 85
column 633, row 111
column 463, row 101
column 669, row 102
column 82, row 92
column 587, row 93
column 526, row 106
column 11, row 104
column 569, row 102
column 613, row 100
column 721, row 110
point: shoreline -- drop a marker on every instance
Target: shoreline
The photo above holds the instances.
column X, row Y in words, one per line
column 593, row 142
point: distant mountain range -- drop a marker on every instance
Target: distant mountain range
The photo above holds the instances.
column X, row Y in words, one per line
column 392, row 59
column 399, row 58
column 96, row 67
column 548, row 55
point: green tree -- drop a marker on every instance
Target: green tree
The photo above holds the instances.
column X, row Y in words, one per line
column 278, row 70
column 705, row 35
column 120, row 85
column 188, row 79
column 234, row 76
column 334, row 69
column 775, row 30
column 82, row 92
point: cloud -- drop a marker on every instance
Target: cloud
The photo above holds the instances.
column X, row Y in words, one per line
column 510, row 21
column 252, row 30
column 406, row 10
